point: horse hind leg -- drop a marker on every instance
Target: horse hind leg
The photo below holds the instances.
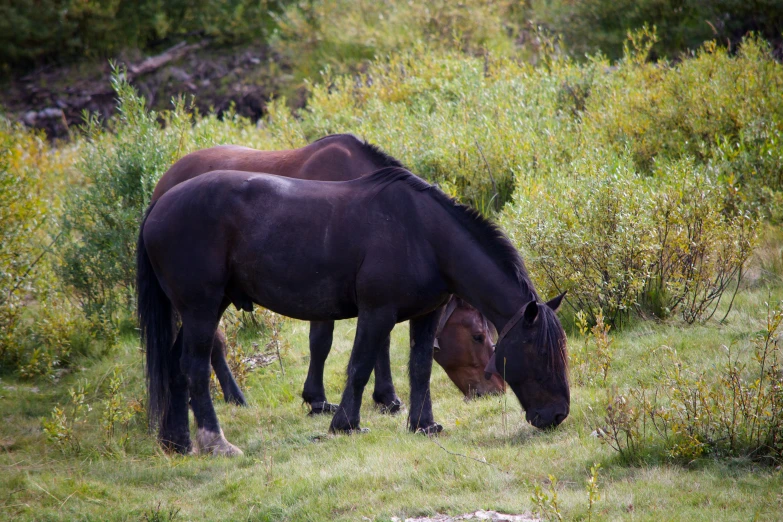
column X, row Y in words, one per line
column 174, row 433
column 199, row 336
column 231, row 391
column 384, row 394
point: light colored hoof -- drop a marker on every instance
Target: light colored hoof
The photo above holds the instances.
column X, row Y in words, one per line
column 215, row 444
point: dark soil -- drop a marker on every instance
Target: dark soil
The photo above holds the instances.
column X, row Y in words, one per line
column 54, row 98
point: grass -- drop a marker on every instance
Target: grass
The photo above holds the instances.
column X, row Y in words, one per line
column 294, row 470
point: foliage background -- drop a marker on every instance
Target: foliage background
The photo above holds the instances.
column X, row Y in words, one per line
column 641, row 171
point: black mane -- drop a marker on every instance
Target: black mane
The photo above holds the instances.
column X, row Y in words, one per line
column 487, row 233
column 379, row 156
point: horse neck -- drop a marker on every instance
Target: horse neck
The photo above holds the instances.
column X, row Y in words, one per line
column 480, row 279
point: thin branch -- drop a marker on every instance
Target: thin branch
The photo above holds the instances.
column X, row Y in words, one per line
column 29, row 268
column 480, row 461
column 491, row 177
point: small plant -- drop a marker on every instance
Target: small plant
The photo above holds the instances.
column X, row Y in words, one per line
column 547, row 506
column 603, row 351
column 274, row 323
column 546, row 503
column 593, row 494
column 60, row 429
column 118, row 411
column 622, row 431
column 595, row 356
column 159, row 514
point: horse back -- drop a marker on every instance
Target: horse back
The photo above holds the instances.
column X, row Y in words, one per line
column 311, row 250
column 335, row 158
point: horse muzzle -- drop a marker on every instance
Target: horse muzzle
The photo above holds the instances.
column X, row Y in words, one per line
column 546, row 418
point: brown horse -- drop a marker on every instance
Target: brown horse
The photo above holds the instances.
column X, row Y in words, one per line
column 466, row 340
column 386, row 248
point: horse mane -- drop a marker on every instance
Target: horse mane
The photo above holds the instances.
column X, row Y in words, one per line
column 379, row 156
column 487, row 234
column 550, row 334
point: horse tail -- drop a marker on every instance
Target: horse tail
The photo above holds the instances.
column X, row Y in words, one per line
column 156, row 321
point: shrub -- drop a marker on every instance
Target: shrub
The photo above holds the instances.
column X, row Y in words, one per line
column 120, row 169
column 589, row 26
column 341, row 35
column 735, row 409
column 32, row 32
column 645, row 210
column 22, row 215
column 60, row 429
column 118, row 411
column 588, row 176
column 101, row 218
column 37, row 322
column 718, row 109
column 589, row 234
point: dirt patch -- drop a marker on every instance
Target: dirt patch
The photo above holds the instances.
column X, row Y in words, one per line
column 477, row 516
column 54, row 98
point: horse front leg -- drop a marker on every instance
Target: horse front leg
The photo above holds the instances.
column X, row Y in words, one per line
column 384, row 394
column 198, row 340
column 231, row 392
column 372, row 330
column 313, row 393
column 422, row 331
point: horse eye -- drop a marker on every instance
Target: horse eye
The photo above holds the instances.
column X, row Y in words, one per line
column 478, row 338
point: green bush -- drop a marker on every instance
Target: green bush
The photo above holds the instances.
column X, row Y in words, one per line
column 120, row 169
column 651, row 206
column 590, row 26
column 341, row 35
column 588, row 177
column 734, row 409
column 38, row 325
column 101, row 219
column 46, row 30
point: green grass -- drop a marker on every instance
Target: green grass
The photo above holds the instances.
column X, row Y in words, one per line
column 294, row 470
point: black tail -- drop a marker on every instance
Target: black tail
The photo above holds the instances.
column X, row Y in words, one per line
column 156, row 320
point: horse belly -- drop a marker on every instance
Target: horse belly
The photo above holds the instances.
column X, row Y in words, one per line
column 297, row 283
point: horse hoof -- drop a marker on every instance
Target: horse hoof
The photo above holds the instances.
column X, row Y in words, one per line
column 432, row 429
column 180, row 445
column 322, row 408
column 238, row 401
column 390, row 408
column 354, row 431
column 215, row 444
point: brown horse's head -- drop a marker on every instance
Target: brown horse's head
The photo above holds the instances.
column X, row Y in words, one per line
column 532, row 359
column 465, row 346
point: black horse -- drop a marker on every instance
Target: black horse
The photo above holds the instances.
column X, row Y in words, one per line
column 385, row 248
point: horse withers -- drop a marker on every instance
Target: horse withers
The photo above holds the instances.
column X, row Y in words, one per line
column 385, row 248
column 341, row 157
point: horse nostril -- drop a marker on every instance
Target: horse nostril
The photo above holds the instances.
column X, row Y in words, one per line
column 560, row 417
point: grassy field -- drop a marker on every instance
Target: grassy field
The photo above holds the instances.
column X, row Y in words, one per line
column 487, row 457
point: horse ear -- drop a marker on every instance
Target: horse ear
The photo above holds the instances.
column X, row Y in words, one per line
column 531, row 312
column 555, row 303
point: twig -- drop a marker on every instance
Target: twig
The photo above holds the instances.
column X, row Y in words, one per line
column 153, row 63
column 45, row 491
column 489, row 171
column 277, row 349
column 29, row 268
column 480, row 461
